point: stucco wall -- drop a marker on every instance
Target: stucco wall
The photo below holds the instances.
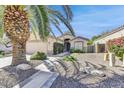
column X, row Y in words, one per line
column 38, row 45
column 73, row 42
column 112, row 36
column 34, row 46
column 66, row 37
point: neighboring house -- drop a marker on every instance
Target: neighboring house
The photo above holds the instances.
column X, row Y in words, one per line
column 69, row 41
column 100, row 43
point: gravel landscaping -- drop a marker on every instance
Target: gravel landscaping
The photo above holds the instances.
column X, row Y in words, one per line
column 90, row 71
column 35, row 63
column 12, row 75
column 93, row 73
column 116, row 81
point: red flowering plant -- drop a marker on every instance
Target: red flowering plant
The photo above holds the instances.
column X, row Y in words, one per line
column 117, row 46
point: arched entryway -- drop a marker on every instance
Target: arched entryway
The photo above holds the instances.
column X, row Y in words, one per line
column 67, row 45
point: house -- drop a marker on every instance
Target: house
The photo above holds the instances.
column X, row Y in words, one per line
column 67, row 39
column 100, row 43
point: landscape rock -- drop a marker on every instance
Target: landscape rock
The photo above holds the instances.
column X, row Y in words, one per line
column 97, row 72
column 23, row 66
column 87, row 70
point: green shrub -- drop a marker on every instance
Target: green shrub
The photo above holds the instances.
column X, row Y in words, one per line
column 58, row 48
column 116, row 46
column 90, row 42
column 38, row 56
column 76, row 50
column 119, row 51
column 2, row 52
column 69, row 58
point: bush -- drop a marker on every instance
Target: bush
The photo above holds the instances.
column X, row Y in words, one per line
column 90, row 42
column 38, row 56
column 58, row 48
column 116, row 46
column 119, row 51
column 2, row 52
column 76, row 50
column 70, row 58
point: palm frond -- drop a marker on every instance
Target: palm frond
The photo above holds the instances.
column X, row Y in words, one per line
column 41, row 16
column 68, row 12
column 62, row 19
column 54, row 19
column 34, row 27
column 56, row 25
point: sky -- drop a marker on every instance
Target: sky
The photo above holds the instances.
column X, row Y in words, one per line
column 89, row 21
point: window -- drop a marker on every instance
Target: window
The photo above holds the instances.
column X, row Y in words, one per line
column 78, row 45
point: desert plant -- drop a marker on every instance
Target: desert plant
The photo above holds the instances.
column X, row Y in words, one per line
column 73, row 61
column 69, row 58
column 73, row 50
column 38, row 56
column 2, row 52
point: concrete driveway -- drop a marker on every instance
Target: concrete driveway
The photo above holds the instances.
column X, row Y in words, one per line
column 8, row 60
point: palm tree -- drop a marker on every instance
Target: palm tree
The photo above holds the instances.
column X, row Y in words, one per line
column 1, row 15
column 18, row 21
column 16, row 27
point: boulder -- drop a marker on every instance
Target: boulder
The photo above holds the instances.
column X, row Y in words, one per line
column 97, row 72
column 23, row 66
column 92, row 71
column 86, row 70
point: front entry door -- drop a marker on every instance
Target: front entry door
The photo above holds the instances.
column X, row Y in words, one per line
column 67, row 46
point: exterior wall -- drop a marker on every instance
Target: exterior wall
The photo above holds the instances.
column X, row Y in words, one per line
column 38, row 45
column 80, row 42
column 66, row 37
column 34, row 45
column 112, row 36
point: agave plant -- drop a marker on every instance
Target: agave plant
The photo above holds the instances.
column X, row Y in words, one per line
column 19, row 20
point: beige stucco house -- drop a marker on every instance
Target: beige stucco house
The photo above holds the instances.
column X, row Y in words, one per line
column 69, row 41
column 115, row 33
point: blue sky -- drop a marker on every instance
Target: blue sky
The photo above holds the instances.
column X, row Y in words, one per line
column 93, row 20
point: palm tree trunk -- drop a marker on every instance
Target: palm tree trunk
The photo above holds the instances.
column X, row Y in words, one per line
column 19, row 53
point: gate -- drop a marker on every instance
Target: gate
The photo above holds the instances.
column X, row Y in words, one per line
column 89, row 49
